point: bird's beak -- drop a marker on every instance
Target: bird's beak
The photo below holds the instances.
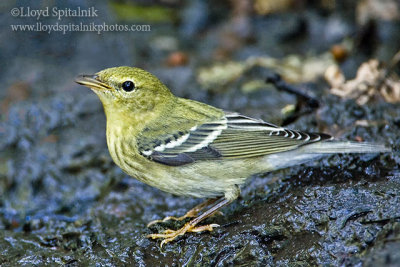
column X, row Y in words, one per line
column 92, row 82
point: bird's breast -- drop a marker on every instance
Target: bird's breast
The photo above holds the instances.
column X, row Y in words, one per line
column 123, row 151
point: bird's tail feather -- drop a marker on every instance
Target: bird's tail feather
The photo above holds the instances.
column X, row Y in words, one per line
column 332, row 147
column 315, row 150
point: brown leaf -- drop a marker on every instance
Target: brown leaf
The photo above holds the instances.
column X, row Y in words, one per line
column 370, row 82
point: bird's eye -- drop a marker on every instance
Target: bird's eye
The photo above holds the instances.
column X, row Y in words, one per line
column 128, row 86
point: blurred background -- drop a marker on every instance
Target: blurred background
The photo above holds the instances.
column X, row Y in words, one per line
column 54, row 163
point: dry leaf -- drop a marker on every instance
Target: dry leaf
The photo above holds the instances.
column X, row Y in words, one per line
column 370, row 82
column 293, row 68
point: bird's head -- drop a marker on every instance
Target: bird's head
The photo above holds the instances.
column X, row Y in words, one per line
column 127, row 89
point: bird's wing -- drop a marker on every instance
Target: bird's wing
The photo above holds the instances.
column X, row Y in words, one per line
column 231, row 137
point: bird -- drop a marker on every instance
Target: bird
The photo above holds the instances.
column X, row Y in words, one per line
column 189, row 148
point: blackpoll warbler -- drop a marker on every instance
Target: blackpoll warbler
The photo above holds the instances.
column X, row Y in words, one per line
column 192, row 149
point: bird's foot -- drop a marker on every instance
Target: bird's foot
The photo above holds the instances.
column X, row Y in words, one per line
column 168, row 218
column 190, row 214
column 169, row 235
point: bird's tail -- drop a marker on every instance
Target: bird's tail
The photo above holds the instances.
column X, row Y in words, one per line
column 332, row 147
column 315, row 150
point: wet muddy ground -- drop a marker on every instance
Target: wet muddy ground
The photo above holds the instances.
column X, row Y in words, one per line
column 64, row 202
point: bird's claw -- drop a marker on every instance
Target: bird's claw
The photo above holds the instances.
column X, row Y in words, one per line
column 169, row 235
column 166, row 219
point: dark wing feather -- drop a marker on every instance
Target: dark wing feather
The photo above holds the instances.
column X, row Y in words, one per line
column 233, row 136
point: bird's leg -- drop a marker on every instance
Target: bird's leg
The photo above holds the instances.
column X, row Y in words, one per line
column 170, row 235
column 190, row 214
